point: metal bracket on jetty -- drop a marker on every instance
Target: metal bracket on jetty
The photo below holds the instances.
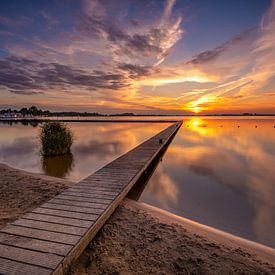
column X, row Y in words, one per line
column 49, row 238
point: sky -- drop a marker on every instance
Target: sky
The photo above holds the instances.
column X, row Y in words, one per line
column 140, row 56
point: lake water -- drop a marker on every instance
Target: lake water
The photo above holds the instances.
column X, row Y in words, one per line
column 221, row 175
column 95, row 145
column 217, row 171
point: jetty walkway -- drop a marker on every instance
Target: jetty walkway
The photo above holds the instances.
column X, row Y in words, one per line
column 49, row 238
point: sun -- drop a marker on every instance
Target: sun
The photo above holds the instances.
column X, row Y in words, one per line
column 196, row 109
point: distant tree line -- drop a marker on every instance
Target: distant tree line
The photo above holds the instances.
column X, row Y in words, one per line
column 34, row 111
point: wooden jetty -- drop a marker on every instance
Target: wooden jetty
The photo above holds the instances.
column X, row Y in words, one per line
column 47, row 239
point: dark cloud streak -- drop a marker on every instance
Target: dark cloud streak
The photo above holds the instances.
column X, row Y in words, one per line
column 210, row 55
column 27, row 77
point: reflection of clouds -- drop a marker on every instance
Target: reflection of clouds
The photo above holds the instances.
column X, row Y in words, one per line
column 162, row 188
column 17, row 148
column 99, row 148
column 241, row 160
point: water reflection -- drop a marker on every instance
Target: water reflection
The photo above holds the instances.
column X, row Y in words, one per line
column 58, row 166
column 225, row 176
column 95, row 145
column 21, row 122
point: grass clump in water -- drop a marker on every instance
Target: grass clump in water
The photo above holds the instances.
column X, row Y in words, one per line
column 56, row 138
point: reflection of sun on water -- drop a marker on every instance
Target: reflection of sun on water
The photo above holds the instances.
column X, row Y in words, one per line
column 198, row 125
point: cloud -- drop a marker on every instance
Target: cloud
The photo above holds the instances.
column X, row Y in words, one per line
column 213, row 54
column 134, row 42
column 136, row 71
column 24, row 76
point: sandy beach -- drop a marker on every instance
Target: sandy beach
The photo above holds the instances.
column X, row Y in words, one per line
column 139, row 238
column 21, row 191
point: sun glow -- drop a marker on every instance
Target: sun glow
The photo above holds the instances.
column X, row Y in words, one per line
column 173, row 79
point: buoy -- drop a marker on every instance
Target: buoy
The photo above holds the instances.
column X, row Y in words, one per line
column 238, row 126
column 256, row 126
column 221, row 126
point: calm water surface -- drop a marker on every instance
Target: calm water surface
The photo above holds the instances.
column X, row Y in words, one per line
column 95, row 145
column 221, row 175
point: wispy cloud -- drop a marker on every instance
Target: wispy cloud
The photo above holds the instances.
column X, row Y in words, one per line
column 213, row 54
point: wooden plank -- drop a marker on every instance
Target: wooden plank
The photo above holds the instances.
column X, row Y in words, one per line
column 83, row 194
column 41, row 234
column 79, row 203
column 110, row 177
column 67, row 214
column 58, row 220
column 72, row 208
column 69, row 229
column 30, row 257
column 74, row 198
column 34, row 244
column 113, row 186
column 96, row 187
column 95, row 191
column 10, row 267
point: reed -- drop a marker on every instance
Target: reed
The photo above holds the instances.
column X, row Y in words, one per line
column 56, row 138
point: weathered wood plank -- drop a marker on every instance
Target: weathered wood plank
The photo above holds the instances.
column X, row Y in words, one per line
column 30, row 257
column 34, row 244
column 58, row 220
column 78, row 203
column 88, row 195
column 96, row 187
column 67, row 214
column 72, row 208
column 109, row 186
column 69, row 229
column 74, row 198
column 10, row 267
column 95, row 191
column 41, row 234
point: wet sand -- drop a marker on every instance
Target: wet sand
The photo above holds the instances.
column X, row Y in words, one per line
column 140, row 239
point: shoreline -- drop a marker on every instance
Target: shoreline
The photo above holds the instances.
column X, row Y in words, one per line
column 266, row 253
column 137, row 228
